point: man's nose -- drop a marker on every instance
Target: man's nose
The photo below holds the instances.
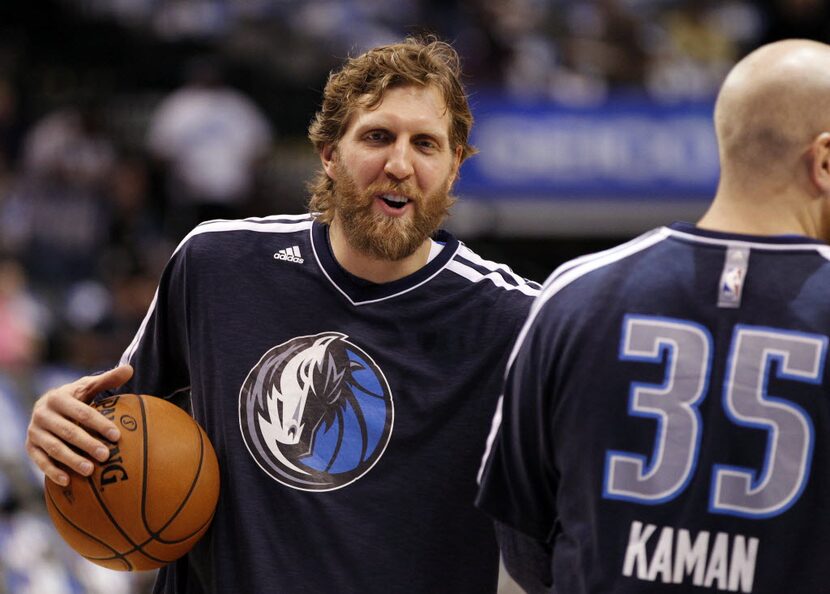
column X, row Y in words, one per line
column 399, row 162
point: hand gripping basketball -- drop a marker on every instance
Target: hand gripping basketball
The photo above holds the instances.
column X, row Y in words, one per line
column 153, row 498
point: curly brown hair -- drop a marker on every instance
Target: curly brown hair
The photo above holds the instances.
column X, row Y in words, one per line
column 362, row 82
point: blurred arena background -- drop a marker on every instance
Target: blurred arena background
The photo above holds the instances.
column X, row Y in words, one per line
column 125, row 122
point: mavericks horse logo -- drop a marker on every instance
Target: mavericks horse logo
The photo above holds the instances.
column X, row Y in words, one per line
column 316, row 412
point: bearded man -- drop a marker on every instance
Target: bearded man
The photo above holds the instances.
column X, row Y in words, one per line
column 345, row 363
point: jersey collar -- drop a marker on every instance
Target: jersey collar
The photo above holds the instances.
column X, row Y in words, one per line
column 691, row 229
column 359, row 291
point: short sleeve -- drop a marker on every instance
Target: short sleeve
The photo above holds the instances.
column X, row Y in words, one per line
column 518, row 483
column 158, row 352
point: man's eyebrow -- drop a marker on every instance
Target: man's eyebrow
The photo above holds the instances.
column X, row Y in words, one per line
column 382, row 123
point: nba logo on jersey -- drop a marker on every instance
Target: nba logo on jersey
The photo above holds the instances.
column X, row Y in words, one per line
column 733, row 275
column 316, row 412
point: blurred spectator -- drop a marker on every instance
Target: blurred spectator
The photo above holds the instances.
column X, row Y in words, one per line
column 17, row 474
column 506, row 46
column 55, row 217
column 579, row 53
column 368, row 23
column 20, row 336
column 71, row 146
column 99, row 315
column 210, row 138
column 135, row 236
column 604, row 44
column 695, row 44
column 30, row 549
column 38, row 562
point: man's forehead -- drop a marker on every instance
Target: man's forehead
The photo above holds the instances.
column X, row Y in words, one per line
column 431, row 110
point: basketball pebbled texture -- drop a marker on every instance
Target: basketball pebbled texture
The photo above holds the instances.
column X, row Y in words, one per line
column 152, row 500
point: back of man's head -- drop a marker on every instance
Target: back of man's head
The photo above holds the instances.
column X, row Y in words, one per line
column 770, row 108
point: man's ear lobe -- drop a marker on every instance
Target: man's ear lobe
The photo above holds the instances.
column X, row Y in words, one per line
column 328, row 159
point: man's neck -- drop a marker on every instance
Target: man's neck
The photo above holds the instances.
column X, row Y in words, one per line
column 757, row 214
column 370, row 268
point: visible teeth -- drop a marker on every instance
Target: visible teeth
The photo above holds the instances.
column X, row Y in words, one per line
column 396, row 199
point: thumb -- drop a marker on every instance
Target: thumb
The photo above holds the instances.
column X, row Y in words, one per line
column 110, row 380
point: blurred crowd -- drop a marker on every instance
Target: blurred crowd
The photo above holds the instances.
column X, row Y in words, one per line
column 106, row 162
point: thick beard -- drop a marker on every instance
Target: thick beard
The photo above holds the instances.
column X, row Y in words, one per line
column 380, row 236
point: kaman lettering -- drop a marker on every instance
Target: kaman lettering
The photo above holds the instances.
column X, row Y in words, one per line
column 725, row 562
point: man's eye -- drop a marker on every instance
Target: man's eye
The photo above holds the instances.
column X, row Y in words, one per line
column 376, row 136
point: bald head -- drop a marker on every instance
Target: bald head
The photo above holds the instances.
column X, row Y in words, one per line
column 772, row 104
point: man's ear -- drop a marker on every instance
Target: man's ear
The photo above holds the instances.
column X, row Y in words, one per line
column 456, row 164
column 820, row 165
column 327, row 158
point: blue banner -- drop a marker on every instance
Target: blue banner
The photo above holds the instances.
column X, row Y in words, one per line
column 621, row 149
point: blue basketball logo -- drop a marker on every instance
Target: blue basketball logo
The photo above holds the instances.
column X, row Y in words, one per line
column 316, row 412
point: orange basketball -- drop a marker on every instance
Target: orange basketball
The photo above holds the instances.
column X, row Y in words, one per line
column 152, row 500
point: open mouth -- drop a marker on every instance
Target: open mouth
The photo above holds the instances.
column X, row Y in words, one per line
column 393, row 201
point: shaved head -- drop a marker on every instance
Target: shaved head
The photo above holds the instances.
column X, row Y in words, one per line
column 771, row 106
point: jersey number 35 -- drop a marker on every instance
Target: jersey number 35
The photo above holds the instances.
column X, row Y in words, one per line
column 686, row 350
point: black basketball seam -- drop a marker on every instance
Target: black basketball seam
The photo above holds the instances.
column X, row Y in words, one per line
column 136, row 547
column 189, row 494
column 104, row 505
column 139, row 547
column 116, row 554
column 156, row 534
column 141, row 550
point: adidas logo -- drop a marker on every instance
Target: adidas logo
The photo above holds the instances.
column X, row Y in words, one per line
column 291, row 254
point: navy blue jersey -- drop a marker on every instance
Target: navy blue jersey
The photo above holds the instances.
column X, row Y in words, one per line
column 347, row 416
column 665, row 425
